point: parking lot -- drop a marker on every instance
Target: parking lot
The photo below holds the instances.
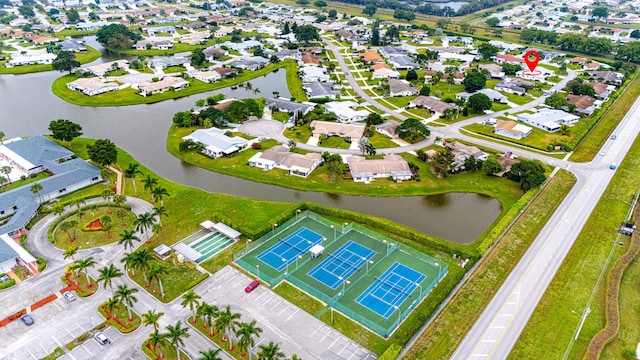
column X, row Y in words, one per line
column 296, row 331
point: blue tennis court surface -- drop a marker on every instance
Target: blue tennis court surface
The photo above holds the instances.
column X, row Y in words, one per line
column 287, row 250
column 390, row 290
column 340, row 265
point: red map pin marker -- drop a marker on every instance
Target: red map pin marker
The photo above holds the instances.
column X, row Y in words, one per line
column 531, row 63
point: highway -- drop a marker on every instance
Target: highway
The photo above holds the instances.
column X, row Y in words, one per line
column 498, row 328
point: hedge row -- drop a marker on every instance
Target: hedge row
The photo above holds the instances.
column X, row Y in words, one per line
column 7, row 284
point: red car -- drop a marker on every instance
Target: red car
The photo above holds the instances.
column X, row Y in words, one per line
column 254, row 284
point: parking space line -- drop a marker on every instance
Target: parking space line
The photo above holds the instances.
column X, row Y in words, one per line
column 33, row 356
column 295, row 311
column 56, row 304
column 278, row 303
column 87, row 350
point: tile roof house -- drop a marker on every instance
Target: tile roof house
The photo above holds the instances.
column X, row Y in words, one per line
column 347, row 131
column 392, row 165
column 388, row 128
column 509, row 59
column 432, row 103
column 216, row 143
column 608, row 76
column 166, row 83
column 92, row 86
column 279, row 157
column 512, row 129
column 371, row 57
column 602, row 90
column 462, row 152
column 401, row 88
column 584, row 103
column 317, row 90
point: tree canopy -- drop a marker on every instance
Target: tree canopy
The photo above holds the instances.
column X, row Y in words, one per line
column 479, row 103
column 412, row 130
column 556, row 101
column 528, row 173
column 487, row 50
column 64, row 130
column 103, row 152
column 65, row 61
column 117, row 36
column 474, row 80
column 306, row 33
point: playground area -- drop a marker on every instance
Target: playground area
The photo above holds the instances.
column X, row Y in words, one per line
column 363, row 274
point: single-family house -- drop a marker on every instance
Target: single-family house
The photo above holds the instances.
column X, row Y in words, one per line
column 208, row 76
column 494, row 70
column 508, row 59
column 609, row 77
column 510, row 87
column 345, row 112
column 148, row 88
column 462, row 152
column 512, row 129
column 30, row 58
column 226, row 72
column 392, row 165
column 101, row 69
column 320, row 90
column 432, row 103
column 250, row 63
column 548, row 119
column 602, row 90
column 403, row 62
column 383, row 71
column 152, row 31
column 401, row 88
column 391, row 51
column 584, row 103
column 147, row 44
column 314, row 73
column 72, row 45
column 92, row 86
column 216, row 143
column 388, row 128
column 347, row 131
column 458, row 77
column 371, row 57
column 213, row 53
column 290, row 107
column 309, row 59
column 280, row 157
column 495, row 96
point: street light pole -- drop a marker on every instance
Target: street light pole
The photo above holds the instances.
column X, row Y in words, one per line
column 343, row 225
column 258, row 271
column 439, row 270
column 334, row 232
column 298, row 258
column 344, row 285
column 273, row 229
column 297, row 212
column 420, row 287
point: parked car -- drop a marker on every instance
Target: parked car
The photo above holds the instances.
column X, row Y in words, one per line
column 70, row 296
column 254, row 284
column 613, row 137
column 613, row 166
column 603, row 153
column 27, row 319
column 101, row 338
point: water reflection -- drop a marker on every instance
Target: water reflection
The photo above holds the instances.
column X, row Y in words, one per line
column 437, row 201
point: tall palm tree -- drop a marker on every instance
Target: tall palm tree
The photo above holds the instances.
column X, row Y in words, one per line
column 6, row 170
column 35, row 189
column 119, row 200
column 158, row 193
column 131, row 172
column 106, row 194
column 209, row 314
column 65, row 226
column 160, row 211
column 143, row 222
column 245, row 335
column 149, row 182
column 156, row 272
column 142, row 261
column 106, row 223
column 83, row 264
column 451, row 75
column 129, row 260
column 127, row 238
column 122, row 214
column 110, row 305
column 57, row 209
column 152, row 317
column 227, row 321
column 81, row 214
column 190, row 300
column 176, row 334
column 70, row 253
column 125, row 295
column 271, row 351
column 72, row 225
column 107, row 274
column 155, row 340
column 210, row 355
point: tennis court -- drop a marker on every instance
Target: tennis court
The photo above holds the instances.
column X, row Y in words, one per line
column 340, row 265
column 391, row 289
column 287, row 250
column 210, row 245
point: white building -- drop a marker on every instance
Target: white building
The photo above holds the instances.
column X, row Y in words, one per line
column 345, row 112
column 279, row 157
column 512, row 129
column 548, row 119
column 216, row 143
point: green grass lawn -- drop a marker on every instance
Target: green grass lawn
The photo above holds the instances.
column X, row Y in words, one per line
column 129, row 96
column 119, row 318
column 84, row 57
column 179, row 279
column 174, row 69
column 18, row 183
column 89, row 239
column 380, row 141
column 280, row 116
column 517, row 99
column 553, row 322
column 399, row 101
column 167, row 350
column 335, row 142
column 441, row 338
column 85, row 288
column 443, row 90
column 300, row 134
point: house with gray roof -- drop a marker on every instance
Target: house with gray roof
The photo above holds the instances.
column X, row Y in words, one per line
column 403, row 62
column 391, row 51
column 250, row 63
column 216, row 143
column 495, row 96
column 279, row 157
column 290, row 107
column 72, row 45
column 319, row 90
column 392, row 165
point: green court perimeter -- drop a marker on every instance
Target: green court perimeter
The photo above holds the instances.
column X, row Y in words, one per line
column 343, row 297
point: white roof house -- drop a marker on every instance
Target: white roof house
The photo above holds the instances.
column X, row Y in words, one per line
column 394, row 166
column 314, row 73
column 345, row 112
column 495, row 96
column 92, row 86
column 31, row 58
column 548, row 119
column 512, row 129
column 216, row 143
column 279, row 157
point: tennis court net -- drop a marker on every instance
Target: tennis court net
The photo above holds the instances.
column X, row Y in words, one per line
column 393, row 286
column 346, row 262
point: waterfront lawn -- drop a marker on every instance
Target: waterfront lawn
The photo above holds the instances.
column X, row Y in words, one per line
column 129, row 96
column 179, row 278
column 553, row 317
column 447, row 330
column 84, row 57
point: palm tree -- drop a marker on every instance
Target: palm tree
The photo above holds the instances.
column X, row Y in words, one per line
column 175, row 334
column 271, row 351
column 125, row 295
column 106, row 194
column 107, row 274
column 127, row 238
column 6, row 170
column 158, row 193
column 143, row 222
column 149, row 182
column 35, row 189
column 65, row 226
column 227, row 321
column 208, row 313
column 143, row 258
column 190, row 299
column 129, row 261
column 122, row 214
column 155, row 340
column 57, row 209
column 131, row 172
column 106, row 223
column 70, row 252
column 80, row 214
column 156, row 272
column 119, row 200
column 451, row 72
column 83, row 264
column 159, row 211
column 111, row 304
column 151, row 317
column 72, row 225
column 245, row 336
column 210, row 355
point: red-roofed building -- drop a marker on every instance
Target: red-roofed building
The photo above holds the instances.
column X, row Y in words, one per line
column 508, row 59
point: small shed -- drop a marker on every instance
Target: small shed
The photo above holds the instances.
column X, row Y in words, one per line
column 227, row 231
column 163, row 251
column 316, row 250
column 187, row 251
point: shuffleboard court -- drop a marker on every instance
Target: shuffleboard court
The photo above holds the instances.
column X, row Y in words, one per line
column 210, row 245
column 339, row 266
column 391, row 289
column 287, row 250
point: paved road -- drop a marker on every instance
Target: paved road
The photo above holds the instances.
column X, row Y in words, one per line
column 498, row 328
